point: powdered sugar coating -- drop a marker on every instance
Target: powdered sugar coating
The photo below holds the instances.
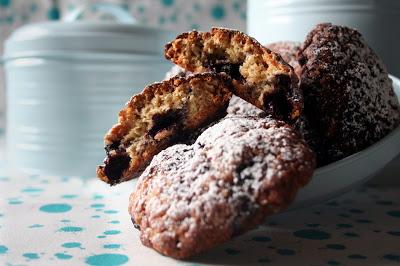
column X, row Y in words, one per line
column 238, row 106
column 192, row 198
column 349, row 100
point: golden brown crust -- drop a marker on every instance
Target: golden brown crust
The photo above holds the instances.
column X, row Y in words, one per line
column 259, row 75
column 163, row 114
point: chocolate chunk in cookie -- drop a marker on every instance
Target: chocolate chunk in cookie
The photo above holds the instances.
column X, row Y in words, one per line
column 349, row 99
column 163, row 114
column 239, row 171
column 260, row 76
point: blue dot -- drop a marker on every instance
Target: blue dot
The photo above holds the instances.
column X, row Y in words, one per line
column 196, row 7
column 394, row 233
column 111, row 246
column 36, row 226
column 65, row 221
column 356, row 211
column 161, row 20
column 111, row 211
column 71, row 245
column 14, row 201
column 53, row 14
column 394, row 213
column 63, row 256
column 357, row 257
column 5, row 3
column 261, row 239
column 236, row 6
column 336, row 246
column 285, row 252
column 71, row 229
column 141, row 9
column 392, row 257
column 384, row 202
column 231, row 251
column 312, row 225
column 95, row 216
column 107, row 259
column 111, row 232
column 363, row 221
column 69, row 196
column 332, row 203
column 33, row 7
column 3, row 249
column 264, row 260
column 333, row 262
column 218, row 12
column 97, row 205
column 167, row 2
column 344, row 225
column 55, row 208
column 113, row 222
column 31, row 190
column 31, row 256
column 101, row 236
column 312, row 234
column 351, row 234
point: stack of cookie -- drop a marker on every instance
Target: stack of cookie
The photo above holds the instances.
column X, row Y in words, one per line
column 223, row 143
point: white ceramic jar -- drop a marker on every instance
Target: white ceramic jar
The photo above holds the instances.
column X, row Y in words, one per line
column 378, row 20
column 66, row 82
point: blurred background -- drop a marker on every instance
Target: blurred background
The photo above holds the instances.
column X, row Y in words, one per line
column 178, row 15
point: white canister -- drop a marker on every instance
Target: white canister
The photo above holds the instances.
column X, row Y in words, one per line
column 378, row 21
column 66, row 82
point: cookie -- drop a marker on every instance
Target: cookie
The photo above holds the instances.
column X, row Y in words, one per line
column 349, row 99
column 287, row 50
column 163, row 114
column 239, row 107
column 260, row 76
column 194, row 197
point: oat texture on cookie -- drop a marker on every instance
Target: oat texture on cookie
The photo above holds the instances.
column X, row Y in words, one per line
column 259, row 75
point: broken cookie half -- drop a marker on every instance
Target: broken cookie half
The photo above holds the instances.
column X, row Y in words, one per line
column 163, row 114
column 259, row 75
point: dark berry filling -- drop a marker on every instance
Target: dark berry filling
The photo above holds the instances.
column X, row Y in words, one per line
column 115, row 165
column 135, row 224
column 223, row 65
column 164, row 121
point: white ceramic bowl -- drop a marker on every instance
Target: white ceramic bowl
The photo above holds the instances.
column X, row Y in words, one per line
column 334, row 179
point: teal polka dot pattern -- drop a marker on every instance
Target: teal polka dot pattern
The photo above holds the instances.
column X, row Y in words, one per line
column 88, row 224
column 177, row 15
column 218, row 12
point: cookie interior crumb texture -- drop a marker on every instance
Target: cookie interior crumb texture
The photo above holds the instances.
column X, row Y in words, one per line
column 163, row 114
column 260, row 76
column 349, row 98
column 193, row 197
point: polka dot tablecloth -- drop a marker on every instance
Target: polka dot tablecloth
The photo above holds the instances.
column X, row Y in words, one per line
column 61, row 220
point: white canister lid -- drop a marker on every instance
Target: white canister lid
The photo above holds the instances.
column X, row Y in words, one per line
column 69, row 35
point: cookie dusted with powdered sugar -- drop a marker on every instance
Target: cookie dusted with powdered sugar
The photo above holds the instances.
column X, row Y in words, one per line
column 349, row 99
column 239, row 171
column 260, row 76
column 163, row 114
